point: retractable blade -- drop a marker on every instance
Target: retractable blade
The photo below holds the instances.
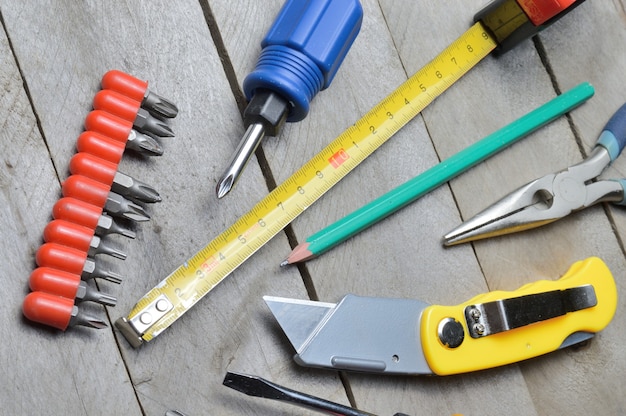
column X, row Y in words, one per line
column 406, row 336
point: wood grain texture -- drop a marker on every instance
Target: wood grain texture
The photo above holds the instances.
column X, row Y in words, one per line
column 197, row 53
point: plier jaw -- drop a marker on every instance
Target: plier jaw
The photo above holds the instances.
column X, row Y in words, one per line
column 543, row 201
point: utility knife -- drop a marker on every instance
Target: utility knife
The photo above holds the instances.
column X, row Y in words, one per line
column 407, row 336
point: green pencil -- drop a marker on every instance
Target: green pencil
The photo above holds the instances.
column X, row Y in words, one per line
column 439, row 174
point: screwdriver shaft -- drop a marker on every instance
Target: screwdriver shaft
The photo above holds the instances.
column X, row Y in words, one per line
column 259, row 387
column 247, row 146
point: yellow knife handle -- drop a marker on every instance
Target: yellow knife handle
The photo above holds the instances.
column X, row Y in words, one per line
column 521, row 343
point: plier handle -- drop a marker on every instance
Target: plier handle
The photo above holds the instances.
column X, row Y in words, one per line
column 555, row 195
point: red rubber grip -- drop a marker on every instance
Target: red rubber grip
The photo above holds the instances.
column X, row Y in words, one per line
column 108, row 125
column 60, row 257
column 125, row 84
column 77, row 211
column 93, row 167
column 101, row 146
column 48, row 309
column 117, row 104
column 540, row 11
column 68, row 234
column 86, row 189
column 54, row 282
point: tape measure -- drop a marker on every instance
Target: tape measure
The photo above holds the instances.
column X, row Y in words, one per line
column 178, row 292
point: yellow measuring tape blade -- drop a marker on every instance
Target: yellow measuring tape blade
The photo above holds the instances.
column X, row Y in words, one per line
column 178, row 292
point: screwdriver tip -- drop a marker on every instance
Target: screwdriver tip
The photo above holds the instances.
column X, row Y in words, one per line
column 148, row 194
column 244, row 383
column 96, row 323
column 225, row 185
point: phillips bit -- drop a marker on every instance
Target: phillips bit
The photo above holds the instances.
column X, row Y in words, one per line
column 119, row 206
column 121, row 130
column 88, row 215
column 57, row 312
column 300, row 56
column 138, row 90
column 94, row 192
column 75, row 261
column 106, row 172
column 67, row 285
column 124, row 107
column 76, row 236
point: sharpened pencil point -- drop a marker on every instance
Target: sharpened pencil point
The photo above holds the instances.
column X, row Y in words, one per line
column 299, row 254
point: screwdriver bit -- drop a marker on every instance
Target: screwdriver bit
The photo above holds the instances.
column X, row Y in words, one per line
column 88, row 215
column 151, row 125
column 130, row 110
column 138, row 90
column 122, row 130
column 106, row 172
column 75, row 261
column 76, row 236
column 57, row 312
column 67, row 285
column 93, row 270
column 118, row 206
column 94, row 192
column 134, row 189
column 143, row 144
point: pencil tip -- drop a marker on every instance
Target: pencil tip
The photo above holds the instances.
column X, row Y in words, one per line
column 284, row 263
column 299, row 254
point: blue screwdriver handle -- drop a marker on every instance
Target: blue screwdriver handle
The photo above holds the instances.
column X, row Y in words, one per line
column 613, row 137
column 303, row 50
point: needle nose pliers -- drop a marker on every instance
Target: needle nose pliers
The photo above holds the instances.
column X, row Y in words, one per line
column 555, row 195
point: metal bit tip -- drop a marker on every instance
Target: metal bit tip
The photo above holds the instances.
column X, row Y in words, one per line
column 134, row 189
column 225, row 185
column 105, row 299
column 106, row 225
column 110, row 276
column 159, row 106
column 143, row 144
column 87, row 320
column 145, row 193
column 136, row 213
column 147, row 123
column 113, row 252
column 119, row 206
column 95, row 323
column 248, row 144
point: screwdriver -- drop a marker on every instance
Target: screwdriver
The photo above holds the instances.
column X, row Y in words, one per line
column 67, row 285
column 121, row 130
column 138, row 90
column 75, row 261
column 81, row 238
column 130, row 110
column 300, row 56
column 88, row 215
column 94, row 192
column 259, row 387
column 105, row 172
column 57, row 312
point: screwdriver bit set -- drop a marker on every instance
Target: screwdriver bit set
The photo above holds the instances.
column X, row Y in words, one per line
column 97, row 200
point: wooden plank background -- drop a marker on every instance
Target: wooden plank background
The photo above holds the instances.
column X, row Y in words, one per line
column 197, row 53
